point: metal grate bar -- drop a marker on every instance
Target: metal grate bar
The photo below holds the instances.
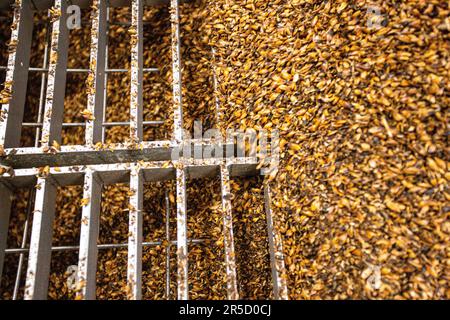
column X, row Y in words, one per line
column 176, row 70
column 136, row 31
column 276, row 251
column 96, row 77
column 106, row 246
column 5, row 209
column 182, row 249
column 105, row 86
column 230, row 261
column 80, row 70
column 168, row 244
column 41, row 240
column 43, row 81
column 106, row 124
column 56, row 81
column 87, row 262
column 134, row 270
column 15, row 87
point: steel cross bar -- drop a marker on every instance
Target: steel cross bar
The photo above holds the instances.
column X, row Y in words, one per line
column 106, row 246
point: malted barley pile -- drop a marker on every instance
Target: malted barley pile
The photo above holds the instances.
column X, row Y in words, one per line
column 361, row 103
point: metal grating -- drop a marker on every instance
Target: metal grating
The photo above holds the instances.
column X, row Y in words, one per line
column 92, row 165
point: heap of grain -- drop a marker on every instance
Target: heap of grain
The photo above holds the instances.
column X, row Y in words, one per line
column 359, row 92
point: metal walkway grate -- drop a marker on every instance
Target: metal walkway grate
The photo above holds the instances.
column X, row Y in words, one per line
column 48, row 165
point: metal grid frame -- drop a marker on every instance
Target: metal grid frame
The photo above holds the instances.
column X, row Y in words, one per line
column 93, row 165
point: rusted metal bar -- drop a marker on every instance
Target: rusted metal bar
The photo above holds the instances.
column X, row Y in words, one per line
column 230, row 260
column 90, row 220
column 96, row 77
column 277, row 264
column 36, row 284
column 182, row 249
column 12, row 97
column 56, row 81
column 134, row 271
column 136, row 31
column 5, row 210
column 176, row 70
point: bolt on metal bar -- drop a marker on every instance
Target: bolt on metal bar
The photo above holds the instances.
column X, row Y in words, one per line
column 96, row 77
column 90, row 221
column 136, row 109
column 134, row 270
column 182, row 249
column 36, row 284
column 176, row 70
column 12, row 98
column 56, row 81
column 31, row 196
column 230, row 260
column 277, row 264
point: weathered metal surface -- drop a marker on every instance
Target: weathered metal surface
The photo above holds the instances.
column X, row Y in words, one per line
column 107, row 246
column 134, row 270
column 277, row 264
column 38, row 271
column 176, row 72
column 5, row 209
column 56, row 79
column 90, row 220
column 182, row 249
column 136, row 33
column 230, row 260
column 105, row 153
column 12, row 97
column 96, row 77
